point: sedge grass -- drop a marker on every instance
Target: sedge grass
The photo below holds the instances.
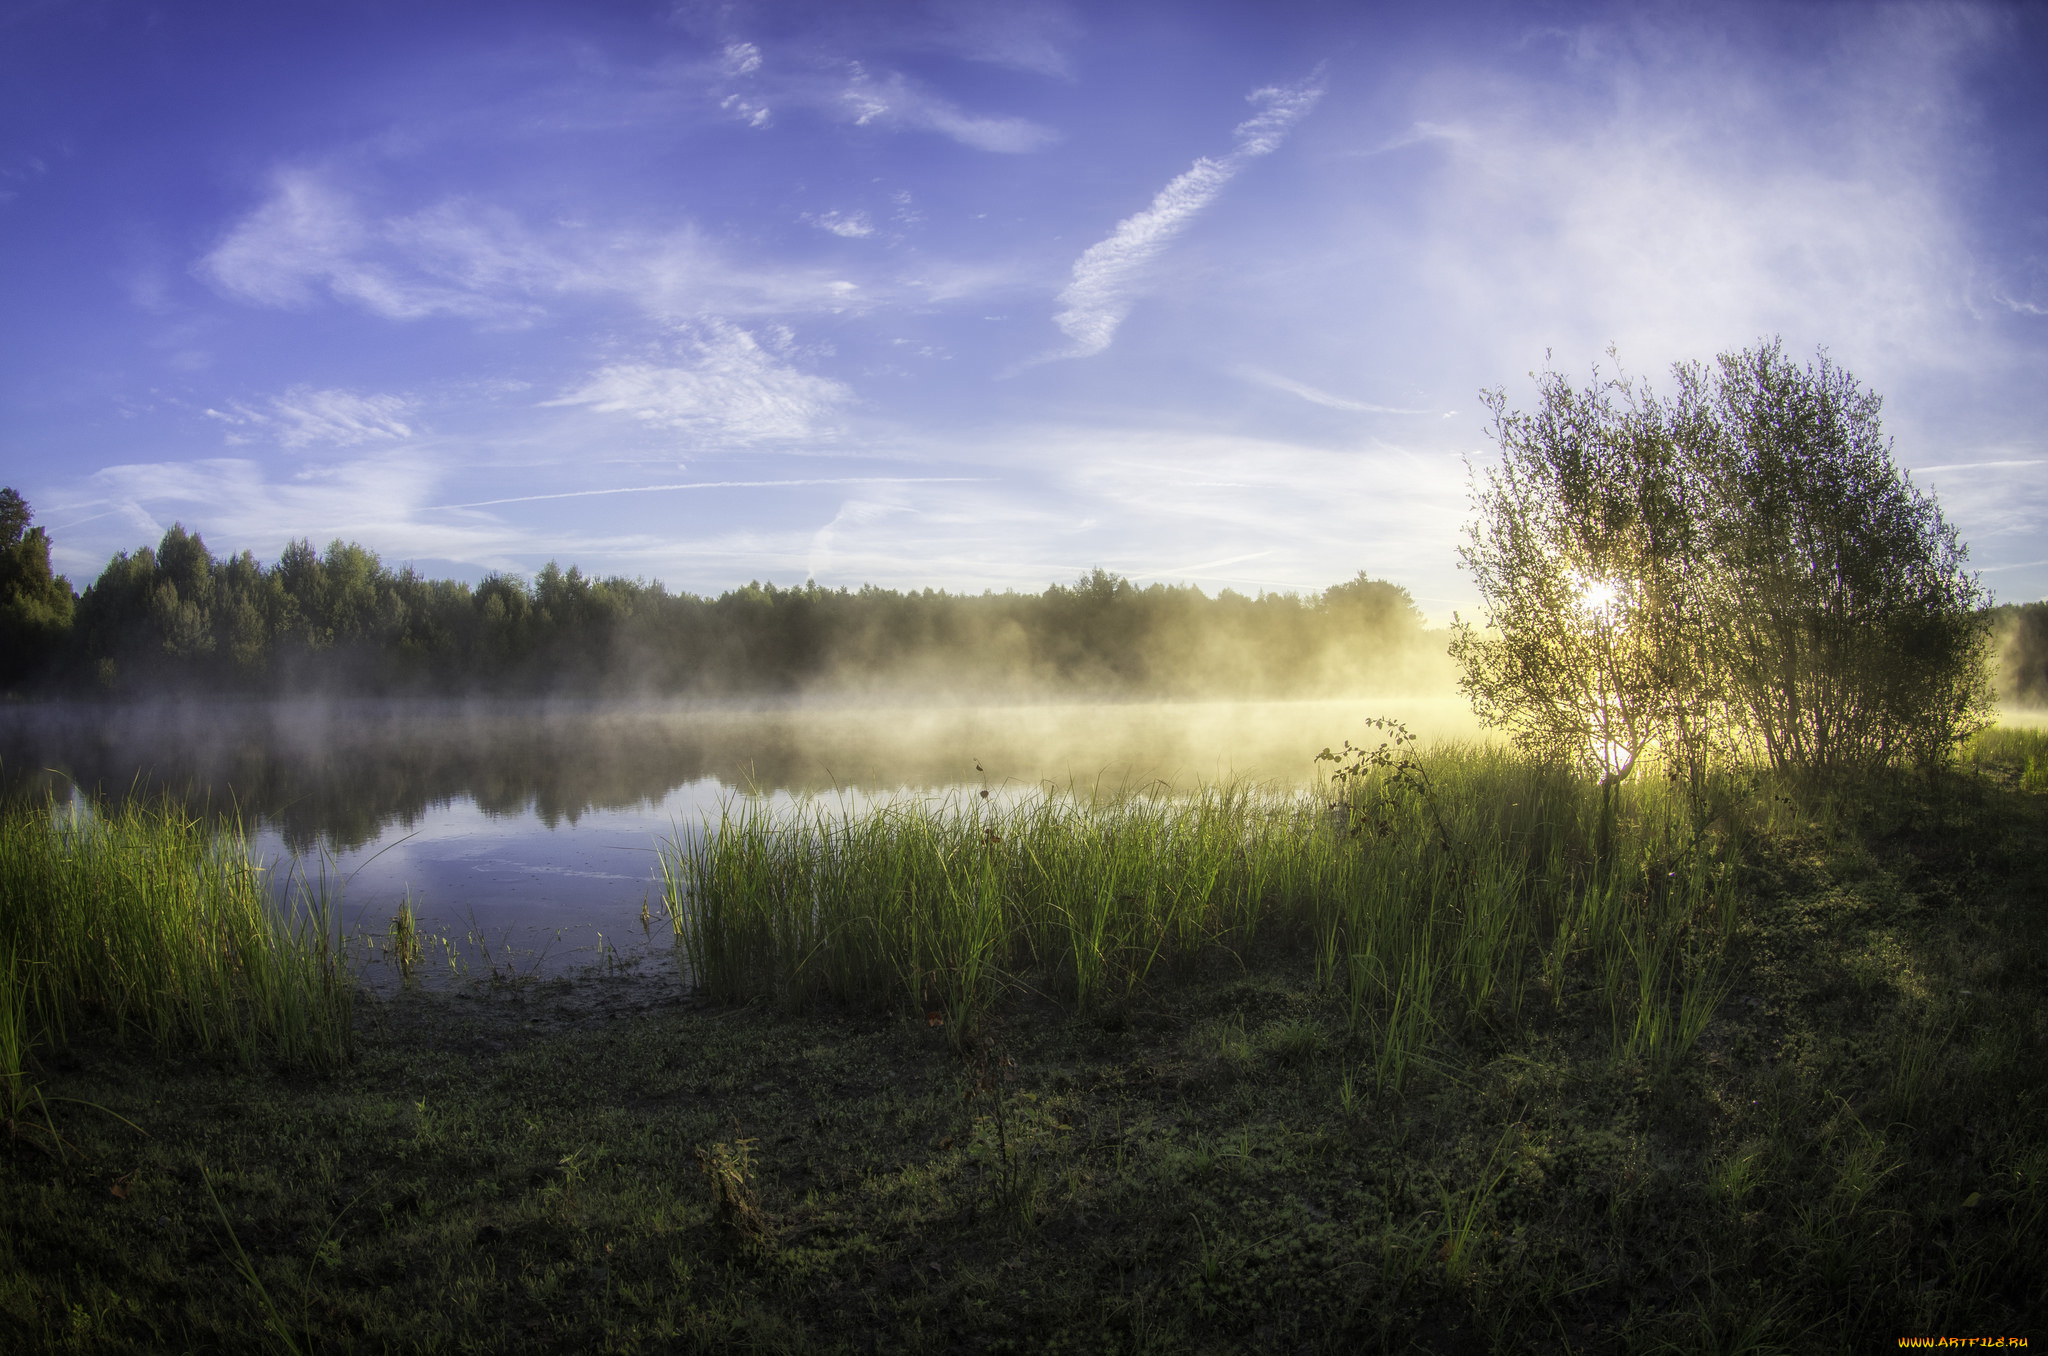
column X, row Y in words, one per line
column 159, row 926
column 1434, row 897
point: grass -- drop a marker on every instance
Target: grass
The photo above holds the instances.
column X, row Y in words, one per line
column 2011, row 756
column 148, row 924
column 1770, row 1083
column 1428, row 895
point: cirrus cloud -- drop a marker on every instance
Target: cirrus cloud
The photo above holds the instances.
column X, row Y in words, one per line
column 1109, row 274
column 312, row 239
column 302, row 417
column 727, row 388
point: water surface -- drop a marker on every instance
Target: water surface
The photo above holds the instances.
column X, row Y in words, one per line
column 526, row 830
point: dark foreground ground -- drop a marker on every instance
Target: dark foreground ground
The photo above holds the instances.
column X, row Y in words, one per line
column 1855, row 1152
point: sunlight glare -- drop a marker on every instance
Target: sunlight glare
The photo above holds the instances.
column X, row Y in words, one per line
column 1600, row 597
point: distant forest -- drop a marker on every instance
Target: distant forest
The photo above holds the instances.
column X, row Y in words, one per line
column 176, row 619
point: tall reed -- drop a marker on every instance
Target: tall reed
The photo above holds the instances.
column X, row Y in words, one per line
column 1434, row 895
column 2016, row 751
column 160, row 926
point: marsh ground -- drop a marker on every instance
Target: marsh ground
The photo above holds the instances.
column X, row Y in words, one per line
column 1854, row 1152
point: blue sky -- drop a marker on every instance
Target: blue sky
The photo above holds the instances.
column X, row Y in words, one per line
column 974, row 295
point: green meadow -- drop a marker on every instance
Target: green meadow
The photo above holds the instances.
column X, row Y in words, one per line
column 1458, row 1055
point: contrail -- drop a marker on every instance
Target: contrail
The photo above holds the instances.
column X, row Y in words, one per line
column 1972, row 466
column 717, row 485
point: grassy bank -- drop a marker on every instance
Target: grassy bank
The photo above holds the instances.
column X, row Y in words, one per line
column 148, row 925
column 1435, row 893
column 1764, row 1078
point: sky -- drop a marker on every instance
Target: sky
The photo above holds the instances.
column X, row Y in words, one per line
column 976, row 295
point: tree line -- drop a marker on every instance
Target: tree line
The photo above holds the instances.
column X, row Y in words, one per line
column 174, row 618
column 1735, row 571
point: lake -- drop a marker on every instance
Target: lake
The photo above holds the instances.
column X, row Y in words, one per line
column 525, row 834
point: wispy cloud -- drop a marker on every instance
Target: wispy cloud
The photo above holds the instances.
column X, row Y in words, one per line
column 851, row 225
column 1318, row 397
column 853, row 515
column 1200, row 567
column 895, row 100
column 1170, row 504
column 1013, row 33
column 302, row 417
column 313, row 239
column 386, row 502
column 1033, row 507
column 747, row 86
column 1109, row 275
column 239, row 504
column 726, row 388
column 740, row 58
column 310, row 237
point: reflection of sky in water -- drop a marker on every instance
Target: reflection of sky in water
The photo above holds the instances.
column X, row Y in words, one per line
column 531, row 829
column 531, row 895
column 508, row 884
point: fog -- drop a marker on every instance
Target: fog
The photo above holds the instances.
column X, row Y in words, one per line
column 2020, row 646
column 339, row 773
column 599, row 719
column 522, row 831
column 530, row 826
column 175, row 620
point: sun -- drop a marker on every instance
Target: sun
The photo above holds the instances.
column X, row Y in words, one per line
column 1600, row 598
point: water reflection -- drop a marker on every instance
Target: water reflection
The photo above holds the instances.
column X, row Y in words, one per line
column 532, row 826
column 340, row 775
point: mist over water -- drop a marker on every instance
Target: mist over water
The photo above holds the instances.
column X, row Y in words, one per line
column 531, row 827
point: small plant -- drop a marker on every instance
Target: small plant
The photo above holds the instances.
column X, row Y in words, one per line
column 1213, row 1255
column 1462, row 1211
column 273, row 1319
column 1733, row 1178
column 1225, row 1040
column 1373, row 783
column 1017, row 1180
column 327, row 1249
column 1917, row 1069
column 575, row 1168
column 406, row 948
column 1409, row 1024
column 1294, row 1043
column 729, row 1167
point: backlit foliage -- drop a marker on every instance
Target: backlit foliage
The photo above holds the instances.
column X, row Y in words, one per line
column 1736, row 571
